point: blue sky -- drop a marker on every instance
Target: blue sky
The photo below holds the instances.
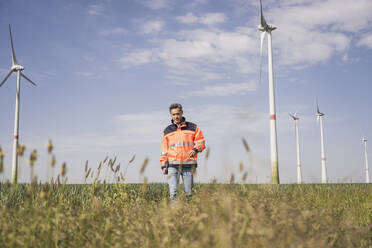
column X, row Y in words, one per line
column 106, row 72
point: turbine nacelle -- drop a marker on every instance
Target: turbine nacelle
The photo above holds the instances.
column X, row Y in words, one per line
column 266, row 28
column 318, row 113
column 294, row 117
column 364, row 140
column 17, row 68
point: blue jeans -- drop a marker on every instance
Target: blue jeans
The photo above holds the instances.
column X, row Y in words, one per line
column 173, row 181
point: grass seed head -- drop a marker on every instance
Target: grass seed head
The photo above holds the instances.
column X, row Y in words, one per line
column 33, row 157
column 86, row 166
column 144, row 164
column 1, row 153
column 64, row 169
column 244, row 176
column 132, row 159
column 241, row 166
column 246, row 146
column 87, row 173
column 50, row 146
column 104, row 161
column 21, row 150
column 1, row 161
column 117, row 168
column 53, row 161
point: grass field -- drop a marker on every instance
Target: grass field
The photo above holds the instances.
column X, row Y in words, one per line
column 218, row 215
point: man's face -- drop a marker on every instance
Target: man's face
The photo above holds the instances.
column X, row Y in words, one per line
column 176, row 115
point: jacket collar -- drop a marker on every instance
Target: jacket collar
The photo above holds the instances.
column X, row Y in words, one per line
column 183, row 122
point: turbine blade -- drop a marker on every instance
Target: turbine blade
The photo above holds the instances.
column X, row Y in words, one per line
column 292, row 116
column 262, row 38
column 317, row 106
column 263, row 21
column 14, row 59
column 6, row 78
column 24, row 76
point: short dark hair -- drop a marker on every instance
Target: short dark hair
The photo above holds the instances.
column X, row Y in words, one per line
column 175, row 106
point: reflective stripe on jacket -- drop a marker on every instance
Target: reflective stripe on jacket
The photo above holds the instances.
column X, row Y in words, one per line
column 178, row 141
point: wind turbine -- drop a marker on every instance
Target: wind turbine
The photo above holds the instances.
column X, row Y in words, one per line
column 319, row 116
column 364, row 140
column 264, row 28
column 299, row 174
column 17, row 68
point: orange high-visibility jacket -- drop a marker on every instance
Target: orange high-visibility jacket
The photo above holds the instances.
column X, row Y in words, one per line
column 178, row 141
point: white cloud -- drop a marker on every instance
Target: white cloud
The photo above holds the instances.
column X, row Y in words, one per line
column 326, row 15
column 114, row 31
column 178, row 77
column 85, row 73
column 189, row 18
column 225, row 89
column 152, row 26
column 193, row 48
column 213, row 18
column 192, row 4
column 137, row 58
column 366, row 41
column 313, row 31
column 155, row 4
column 209, row 19
column 95, row 9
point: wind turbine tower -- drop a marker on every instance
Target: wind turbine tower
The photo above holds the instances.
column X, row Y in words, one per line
column 17, row 68
column 299, row 174
column 319, row 116
column 364, row 140
column 266, row 28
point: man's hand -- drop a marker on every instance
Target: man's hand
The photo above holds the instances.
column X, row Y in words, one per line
column 192, row 153
column 165, row 171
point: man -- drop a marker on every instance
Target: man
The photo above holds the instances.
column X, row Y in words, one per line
column 180, row 145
